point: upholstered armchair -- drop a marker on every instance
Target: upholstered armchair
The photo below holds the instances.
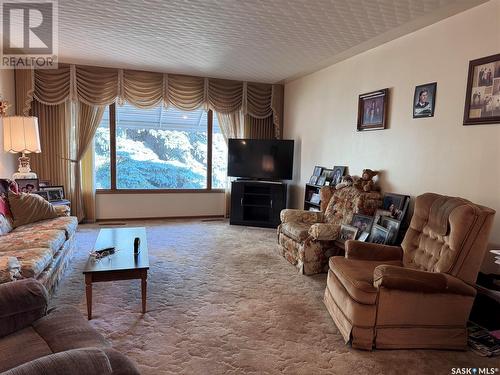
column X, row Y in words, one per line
column 307, row 239
column 418, row 295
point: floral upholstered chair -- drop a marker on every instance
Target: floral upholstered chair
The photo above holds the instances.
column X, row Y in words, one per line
column 307, row 239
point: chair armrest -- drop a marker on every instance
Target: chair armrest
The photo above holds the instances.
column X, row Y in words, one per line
column 300, row 216
column 324, row 231
column 21, row 303
column 372, row 251
column 88, row 361
column 401, row 278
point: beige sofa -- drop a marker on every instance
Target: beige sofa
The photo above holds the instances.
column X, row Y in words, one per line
column 418, row 295
column 38, row 250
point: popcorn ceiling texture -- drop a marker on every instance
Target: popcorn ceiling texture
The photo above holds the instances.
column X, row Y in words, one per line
column 221, row 301
column 257, row 40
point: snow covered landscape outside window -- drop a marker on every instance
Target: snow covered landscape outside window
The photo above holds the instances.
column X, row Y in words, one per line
column 159, row 148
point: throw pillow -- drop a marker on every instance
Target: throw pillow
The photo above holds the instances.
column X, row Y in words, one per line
column 29, row 208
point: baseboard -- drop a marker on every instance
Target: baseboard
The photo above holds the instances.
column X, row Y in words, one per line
column 210, row 217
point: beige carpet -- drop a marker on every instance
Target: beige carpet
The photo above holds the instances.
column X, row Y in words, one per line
column 220, row 301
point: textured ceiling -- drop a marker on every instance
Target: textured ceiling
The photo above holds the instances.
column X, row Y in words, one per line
column 253, row 40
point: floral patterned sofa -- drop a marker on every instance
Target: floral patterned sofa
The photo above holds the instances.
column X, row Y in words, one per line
column 39, row 250
column 307, row 239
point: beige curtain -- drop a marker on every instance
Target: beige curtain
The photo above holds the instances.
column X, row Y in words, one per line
column 103, row 86
column 84, row 125
column 88, row 190
column 53, row 162
column 259, row 128
column 232, row 125
column 69, row 102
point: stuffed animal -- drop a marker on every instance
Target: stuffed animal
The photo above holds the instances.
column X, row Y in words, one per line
column 366, row 183
column 344, row 182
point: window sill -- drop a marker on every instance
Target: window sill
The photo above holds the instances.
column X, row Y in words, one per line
column 157, row 191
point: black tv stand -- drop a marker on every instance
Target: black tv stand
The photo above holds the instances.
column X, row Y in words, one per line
column 257, row 203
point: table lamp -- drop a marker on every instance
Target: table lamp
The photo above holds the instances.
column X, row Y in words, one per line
column 20, row 134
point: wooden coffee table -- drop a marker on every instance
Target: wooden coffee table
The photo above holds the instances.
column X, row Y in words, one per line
column 122, row 265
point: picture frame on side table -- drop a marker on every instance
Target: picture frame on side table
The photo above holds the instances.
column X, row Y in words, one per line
column 321, row 181
column 43, row 194
column 313, row 180
column 28, row 185
column 424, row 100
column 372, row 110
column 56, row 193
column 482, row 98
column 347, row 232
column 379, row 235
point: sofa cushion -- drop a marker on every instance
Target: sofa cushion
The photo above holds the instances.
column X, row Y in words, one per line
column 66, row 223
column 51, row 239
column 65, row 328
column 5, row 224
column 356, row 277
column 296, row 230
column 29, row 208
column 10, row 268
column 21, row 347
column 33, row 261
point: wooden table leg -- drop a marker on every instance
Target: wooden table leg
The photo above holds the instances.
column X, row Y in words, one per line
column 88, row 292
column 144, row 285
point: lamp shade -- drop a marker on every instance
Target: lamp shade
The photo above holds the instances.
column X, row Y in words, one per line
column 20, row 134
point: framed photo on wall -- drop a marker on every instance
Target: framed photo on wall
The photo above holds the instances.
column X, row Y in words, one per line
column 372, row 110
column 482, row 98
column 424, row 100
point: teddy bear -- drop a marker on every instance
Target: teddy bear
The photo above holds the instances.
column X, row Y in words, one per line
column 366, row 183
column 344, row 182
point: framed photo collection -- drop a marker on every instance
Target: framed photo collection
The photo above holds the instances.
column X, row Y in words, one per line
column 482, row 98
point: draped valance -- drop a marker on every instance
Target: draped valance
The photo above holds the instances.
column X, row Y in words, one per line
column 103, row 86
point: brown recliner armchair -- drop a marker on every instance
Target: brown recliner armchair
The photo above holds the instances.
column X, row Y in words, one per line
column 418, row 295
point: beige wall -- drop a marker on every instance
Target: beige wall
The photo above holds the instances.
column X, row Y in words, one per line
column 7, row 161
column 436, row 154
column 115, row 206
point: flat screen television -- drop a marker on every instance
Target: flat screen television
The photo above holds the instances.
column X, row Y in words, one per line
column 260, row 159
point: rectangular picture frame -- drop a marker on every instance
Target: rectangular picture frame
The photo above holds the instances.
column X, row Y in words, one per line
column 347, row 232
column 379, row 235
column 362, row 222
column 393, row 225
column 28, row 185
column 56, row 193
column 43, row 194
column 424, row 100
column 482, row 96
column 373, row 110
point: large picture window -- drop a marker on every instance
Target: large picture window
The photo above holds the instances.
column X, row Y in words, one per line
column 159, row 149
